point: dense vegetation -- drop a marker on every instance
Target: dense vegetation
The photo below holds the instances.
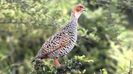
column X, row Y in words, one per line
column 105, row 38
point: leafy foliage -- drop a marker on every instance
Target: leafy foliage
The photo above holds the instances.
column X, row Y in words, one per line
column 104, row 43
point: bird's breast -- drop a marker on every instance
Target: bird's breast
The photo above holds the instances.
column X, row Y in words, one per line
column 73, row 36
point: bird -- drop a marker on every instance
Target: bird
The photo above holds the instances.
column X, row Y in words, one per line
column 63, row 41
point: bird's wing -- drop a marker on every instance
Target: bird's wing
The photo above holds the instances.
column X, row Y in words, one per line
column 56, row 42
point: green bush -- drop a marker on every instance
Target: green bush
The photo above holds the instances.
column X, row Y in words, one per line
column 104, row 43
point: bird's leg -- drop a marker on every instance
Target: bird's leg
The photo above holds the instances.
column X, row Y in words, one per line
column 56, row 63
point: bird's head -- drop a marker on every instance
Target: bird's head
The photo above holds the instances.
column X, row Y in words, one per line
column 77, row 10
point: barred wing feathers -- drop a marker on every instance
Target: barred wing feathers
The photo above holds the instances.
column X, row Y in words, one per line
column 53, row 47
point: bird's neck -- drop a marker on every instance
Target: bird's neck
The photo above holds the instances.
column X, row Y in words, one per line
column 72, row 23
column 73, row 20
column 74, row 16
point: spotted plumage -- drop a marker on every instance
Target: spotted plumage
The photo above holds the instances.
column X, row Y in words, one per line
column 62, row 42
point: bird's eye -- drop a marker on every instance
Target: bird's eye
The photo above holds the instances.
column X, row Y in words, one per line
column 81, row 6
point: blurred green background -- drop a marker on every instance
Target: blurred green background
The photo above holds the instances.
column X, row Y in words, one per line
column 105, row 35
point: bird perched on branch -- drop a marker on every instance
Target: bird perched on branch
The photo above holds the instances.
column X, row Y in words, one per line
column 62, row 42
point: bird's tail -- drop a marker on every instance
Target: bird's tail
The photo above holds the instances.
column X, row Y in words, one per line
column 36, row 60
column 37, row 64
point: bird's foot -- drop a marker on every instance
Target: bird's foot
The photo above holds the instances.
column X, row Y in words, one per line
column 61, row 66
